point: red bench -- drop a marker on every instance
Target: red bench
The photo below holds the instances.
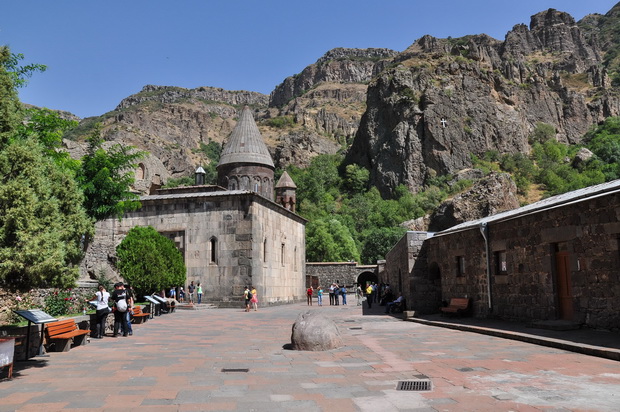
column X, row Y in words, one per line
column 62, row 334
column 457, row 306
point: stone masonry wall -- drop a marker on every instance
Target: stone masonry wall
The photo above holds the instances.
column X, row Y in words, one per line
column 342, row 272
column 406, row 272
column 587, row 230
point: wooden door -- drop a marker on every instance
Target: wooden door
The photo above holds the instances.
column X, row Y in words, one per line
column 563, row 285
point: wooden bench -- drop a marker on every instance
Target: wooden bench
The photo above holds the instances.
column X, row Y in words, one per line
column 61, row 334
column 457, row 306
column 138, row 315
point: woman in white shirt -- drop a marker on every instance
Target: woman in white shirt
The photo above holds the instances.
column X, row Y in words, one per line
column 103, row 309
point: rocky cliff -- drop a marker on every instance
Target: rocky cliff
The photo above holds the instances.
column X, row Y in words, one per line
column 403, row 115
column 442, row 100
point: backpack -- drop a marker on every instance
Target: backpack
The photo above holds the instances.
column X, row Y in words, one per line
column 249, row 295
column 121, row 305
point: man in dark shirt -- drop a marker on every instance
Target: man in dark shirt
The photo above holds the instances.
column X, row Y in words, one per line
column 119, row 297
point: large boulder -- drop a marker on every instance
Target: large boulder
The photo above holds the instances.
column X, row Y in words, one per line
column 314, row 331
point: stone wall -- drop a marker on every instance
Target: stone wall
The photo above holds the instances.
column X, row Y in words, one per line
column 229, row 240
column 406, row 272
column 344, row 273
column 525, row 287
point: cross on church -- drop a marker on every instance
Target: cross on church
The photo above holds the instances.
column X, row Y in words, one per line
column 444, row 122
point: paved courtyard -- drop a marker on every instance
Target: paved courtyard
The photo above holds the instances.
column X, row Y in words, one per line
column 176, row 362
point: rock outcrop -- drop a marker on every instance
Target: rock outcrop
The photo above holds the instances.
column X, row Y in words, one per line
column 314, row 331
column 443, row 100
column 490, row 195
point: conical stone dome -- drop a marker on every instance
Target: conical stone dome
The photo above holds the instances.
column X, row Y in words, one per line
column 245, row 162
column 245, row 144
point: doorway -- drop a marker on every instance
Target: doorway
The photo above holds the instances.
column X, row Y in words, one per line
column 563, row 285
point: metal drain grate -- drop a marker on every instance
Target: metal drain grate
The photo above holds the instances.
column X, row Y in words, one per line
column 356, row 328
column 417, row 385
column 235, row 370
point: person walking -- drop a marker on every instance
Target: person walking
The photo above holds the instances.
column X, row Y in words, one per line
column 319, row 296
column 247, row 296
column 309, row 293
column 369, row 296
column 254, row 299
column 343, row 292
column 190, row 292
column 199, row 293
column 103, row 309
column 358, row 294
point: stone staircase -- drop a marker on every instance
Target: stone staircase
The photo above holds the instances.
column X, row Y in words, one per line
column 195, row 306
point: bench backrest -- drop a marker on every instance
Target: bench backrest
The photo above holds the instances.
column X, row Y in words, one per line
column 137, row 310
column 459, row 302
column 60, row 327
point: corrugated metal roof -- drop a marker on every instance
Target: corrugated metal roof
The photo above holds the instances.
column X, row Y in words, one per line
column 545, row 204
column 245, row 143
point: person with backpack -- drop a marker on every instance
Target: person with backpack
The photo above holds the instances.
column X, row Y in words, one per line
column 119, row 297
column 247, row 296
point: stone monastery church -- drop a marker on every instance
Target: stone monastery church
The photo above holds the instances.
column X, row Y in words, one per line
column 231, row 235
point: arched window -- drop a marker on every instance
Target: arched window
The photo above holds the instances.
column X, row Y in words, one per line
column 213, row 250
column 232, row 184
column 282, row 254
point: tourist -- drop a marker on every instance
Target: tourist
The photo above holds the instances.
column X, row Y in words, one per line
column 369, row 296
column 319, row 296
column 254, row 299
column 331, row 294
column 247, row 296
column 358, row 294
column 309, row 294
column 119, row 297
column 199, row 293
column 181, row 294
column 103, row 309
column 336, row 293
column 388, row 306
column 343, row 292
column 190, row 291
column 129, row 313
column 173, row 293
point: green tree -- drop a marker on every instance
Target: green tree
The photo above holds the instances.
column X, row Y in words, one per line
column 43, row 226
column 328, row 240
column 10, row 106
column 106, row 177
column 149, row 261
column 48, row 128
column 378, row 241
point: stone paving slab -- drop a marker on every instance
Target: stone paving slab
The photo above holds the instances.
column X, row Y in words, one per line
column 174, row 362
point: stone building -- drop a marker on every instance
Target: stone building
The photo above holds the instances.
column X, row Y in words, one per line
column 229, row 237
column 556, row 259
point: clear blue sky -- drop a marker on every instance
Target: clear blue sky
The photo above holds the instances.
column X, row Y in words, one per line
column 99, row 52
